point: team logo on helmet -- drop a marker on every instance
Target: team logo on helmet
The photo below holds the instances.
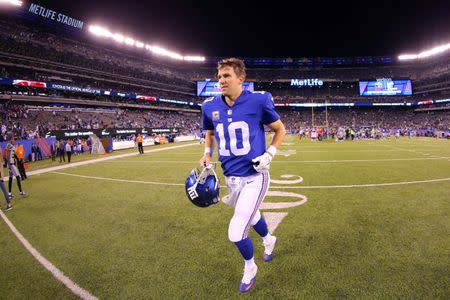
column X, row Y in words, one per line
column 202, row 187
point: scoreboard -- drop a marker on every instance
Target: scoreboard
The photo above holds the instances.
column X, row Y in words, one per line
column 212, row 88
column 385, row 87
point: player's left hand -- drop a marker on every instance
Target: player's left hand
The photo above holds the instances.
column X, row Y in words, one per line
column 262, row 162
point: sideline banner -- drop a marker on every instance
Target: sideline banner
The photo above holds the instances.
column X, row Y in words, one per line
column 85, row 133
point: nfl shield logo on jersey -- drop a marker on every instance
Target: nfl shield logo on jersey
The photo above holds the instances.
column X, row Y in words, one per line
column 215, row 115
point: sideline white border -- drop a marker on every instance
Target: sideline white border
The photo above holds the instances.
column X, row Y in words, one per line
column 58, row 274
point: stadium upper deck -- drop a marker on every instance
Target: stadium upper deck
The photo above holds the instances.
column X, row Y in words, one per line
column 83, row 71
column 36, row 51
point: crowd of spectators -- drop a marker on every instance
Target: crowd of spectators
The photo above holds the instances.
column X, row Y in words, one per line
column 388, row 118
column 29, row 53
column 22, row 45
column 28, row 122
column 32, row 54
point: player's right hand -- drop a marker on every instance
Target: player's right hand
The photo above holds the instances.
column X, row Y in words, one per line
column 262, row 162
column 205, row 160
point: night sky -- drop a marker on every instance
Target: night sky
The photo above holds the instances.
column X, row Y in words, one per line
column 282, row 29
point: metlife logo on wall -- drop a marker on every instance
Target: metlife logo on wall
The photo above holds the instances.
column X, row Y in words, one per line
column 306, row 82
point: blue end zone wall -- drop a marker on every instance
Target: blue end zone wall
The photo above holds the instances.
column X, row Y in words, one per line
column 27, row 146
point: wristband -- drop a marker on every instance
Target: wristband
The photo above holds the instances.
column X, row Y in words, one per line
column 208, row 150
column 272, row 151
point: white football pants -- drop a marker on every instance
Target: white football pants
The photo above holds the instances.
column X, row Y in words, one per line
column 246, row 195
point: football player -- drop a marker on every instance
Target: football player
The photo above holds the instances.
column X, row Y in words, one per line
column 235, row 120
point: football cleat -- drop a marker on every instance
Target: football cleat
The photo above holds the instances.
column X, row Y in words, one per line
column 268, row 248
column 8, row 207
column 202, row 188
column 249, row 279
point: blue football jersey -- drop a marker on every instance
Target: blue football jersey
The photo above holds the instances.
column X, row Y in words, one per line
column 239, row 130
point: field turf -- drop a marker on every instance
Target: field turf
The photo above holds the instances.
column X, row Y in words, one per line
column 376, row 225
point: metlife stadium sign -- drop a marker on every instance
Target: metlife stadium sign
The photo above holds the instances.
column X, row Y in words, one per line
column 306, row 82
column 55, row 16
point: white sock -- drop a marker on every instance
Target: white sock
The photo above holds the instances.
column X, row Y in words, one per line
column 249, row 263
column 267, row 238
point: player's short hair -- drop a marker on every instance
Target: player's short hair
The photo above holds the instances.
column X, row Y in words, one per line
column 236, row 63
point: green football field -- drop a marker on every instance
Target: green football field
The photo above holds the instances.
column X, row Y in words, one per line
column 359, row 220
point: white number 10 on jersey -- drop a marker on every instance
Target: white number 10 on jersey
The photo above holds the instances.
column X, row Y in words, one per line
column 243, row 126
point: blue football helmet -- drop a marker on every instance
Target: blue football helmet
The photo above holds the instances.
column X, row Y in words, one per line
column 202, row 188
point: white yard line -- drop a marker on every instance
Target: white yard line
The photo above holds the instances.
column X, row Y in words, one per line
column 361, row 185
column 415, row 151
column 360, row 160
column 293, row 161
column 118, row 180
column 272, row 187
column 96, row 160
column 344, row 151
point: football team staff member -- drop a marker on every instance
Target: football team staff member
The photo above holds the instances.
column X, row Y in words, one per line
column 139, row 143
column 20, row 154
column 235, row 120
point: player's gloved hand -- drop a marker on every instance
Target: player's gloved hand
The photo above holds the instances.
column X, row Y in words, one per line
column 262, row 162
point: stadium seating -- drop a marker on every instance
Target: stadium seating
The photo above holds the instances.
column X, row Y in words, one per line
column 36, row 54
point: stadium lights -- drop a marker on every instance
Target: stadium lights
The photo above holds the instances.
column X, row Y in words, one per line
column 129, row 41
column 13, row 2
column 105, row 33
column 407, row 56
column 434, row 51
column 426, row 53
column 194, row 58
column 118, row 37
column 162, row 51
column 100, row 31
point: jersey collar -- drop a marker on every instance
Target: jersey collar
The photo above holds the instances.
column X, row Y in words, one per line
column 238, row 99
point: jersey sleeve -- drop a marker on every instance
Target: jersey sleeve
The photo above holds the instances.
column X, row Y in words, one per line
column 269, row 114
column 207, row 124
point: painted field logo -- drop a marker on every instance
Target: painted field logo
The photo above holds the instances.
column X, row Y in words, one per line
column 273, row 219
